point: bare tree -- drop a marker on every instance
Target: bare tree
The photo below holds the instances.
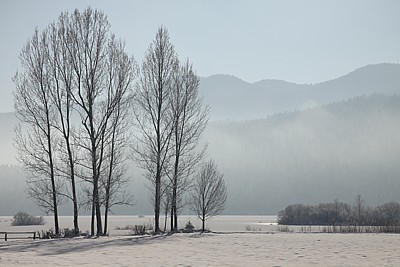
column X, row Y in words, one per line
column 359, row 209
column 33, row 104
column 102, row 78
column 62, row 83
column 114, row 178
column 189, row 122
column 209, row 193
column 153, row 118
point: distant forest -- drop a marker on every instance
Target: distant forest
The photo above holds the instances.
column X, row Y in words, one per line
column 317, row 155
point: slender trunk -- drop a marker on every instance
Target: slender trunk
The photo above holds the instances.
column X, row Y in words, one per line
column 75, row 200
column 175, row 220
column 92, row 219
column 52, row 178
column 98, row 210
column 106, row 219
column 203, row 220
column 157, row 205
column 172, row 218
column 174, row 196
column 165, row 219
column 55, row 209
column 95, row 177
column 73, row 187
column 108, row 185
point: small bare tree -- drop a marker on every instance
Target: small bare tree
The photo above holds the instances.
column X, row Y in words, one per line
column 359, row 209
column 209, row 193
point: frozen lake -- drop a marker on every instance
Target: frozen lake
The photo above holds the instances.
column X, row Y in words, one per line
column 224, row 223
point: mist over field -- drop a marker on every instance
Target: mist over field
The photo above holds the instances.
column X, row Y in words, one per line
column 277, row 143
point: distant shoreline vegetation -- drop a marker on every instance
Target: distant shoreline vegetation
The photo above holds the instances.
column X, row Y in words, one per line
column 342, row 214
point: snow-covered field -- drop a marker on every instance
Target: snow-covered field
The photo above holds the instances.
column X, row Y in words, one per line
column 223, row 249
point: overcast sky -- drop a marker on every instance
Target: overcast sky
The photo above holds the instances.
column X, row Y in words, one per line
column 298, row 41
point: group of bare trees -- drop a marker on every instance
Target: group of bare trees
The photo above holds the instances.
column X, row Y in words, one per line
column 77, row 97
column 74, row 70
column 170, row 118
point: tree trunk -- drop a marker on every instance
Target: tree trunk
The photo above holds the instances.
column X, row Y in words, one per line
column 157, row 206
column 92, row 219
column 105, row 219
column 73, row 187
column 172, row 218
column 52, row 176
column 98, row 210
column 56, row 226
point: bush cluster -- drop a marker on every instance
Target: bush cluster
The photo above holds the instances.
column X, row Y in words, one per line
column 339, row 213
column 64, row 233
column 23, row 218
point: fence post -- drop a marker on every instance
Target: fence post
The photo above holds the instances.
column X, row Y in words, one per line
column 5, row 236
column 34, row 235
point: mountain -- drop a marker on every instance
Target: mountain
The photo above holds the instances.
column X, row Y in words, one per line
column 233, row 99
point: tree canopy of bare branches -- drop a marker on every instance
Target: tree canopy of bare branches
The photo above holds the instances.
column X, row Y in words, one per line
column 209, row 193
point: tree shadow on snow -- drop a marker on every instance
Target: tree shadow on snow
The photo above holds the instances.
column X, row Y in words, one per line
column 63, row 246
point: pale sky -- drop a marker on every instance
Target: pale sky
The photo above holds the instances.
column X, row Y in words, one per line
column 299, row 41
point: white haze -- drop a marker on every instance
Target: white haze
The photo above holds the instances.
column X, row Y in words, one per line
column 348, row 147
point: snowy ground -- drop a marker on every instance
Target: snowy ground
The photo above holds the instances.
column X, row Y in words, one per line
column 226, row 249
column 240, row 249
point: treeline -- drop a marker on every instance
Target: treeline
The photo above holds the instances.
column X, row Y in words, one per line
column 341, row 214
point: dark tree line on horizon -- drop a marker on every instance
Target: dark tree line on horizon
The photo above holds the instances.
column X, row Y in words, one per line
column 341, row 214
column 76, row 70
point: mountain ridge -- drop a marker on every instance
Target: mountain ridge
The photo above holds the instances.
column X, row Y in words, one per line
column 231, row 98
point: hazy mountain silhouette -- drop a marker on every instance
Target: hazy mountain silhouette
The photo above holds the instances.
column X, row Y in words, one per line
column 233, row 99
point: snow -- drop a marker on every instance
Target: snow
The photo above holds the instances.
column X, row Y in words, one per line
column 222, row 249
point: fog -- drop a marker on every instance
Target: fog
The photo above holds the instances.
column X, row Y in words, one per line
column 294, row 148
column 318, row 155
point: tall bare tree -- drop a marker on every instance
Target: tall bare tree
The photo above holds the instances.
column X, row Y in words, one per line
column 61, row 88
column 152, row 113
column 209, row 193
column 103, row 75
column 36, row 146
column 190, row 118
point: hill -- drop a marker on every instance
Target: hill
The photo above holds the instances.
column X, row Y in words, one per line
column 233, row 99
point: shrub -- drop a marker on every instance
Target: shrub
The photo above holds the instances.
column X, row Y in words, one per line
column 65, row 233
column 23, row 218
column 126, row 227
column 139, row 230
column 189, row 227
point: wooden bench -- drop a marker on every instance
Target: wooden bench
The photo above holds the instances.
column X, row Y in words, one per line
column 18, row 235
